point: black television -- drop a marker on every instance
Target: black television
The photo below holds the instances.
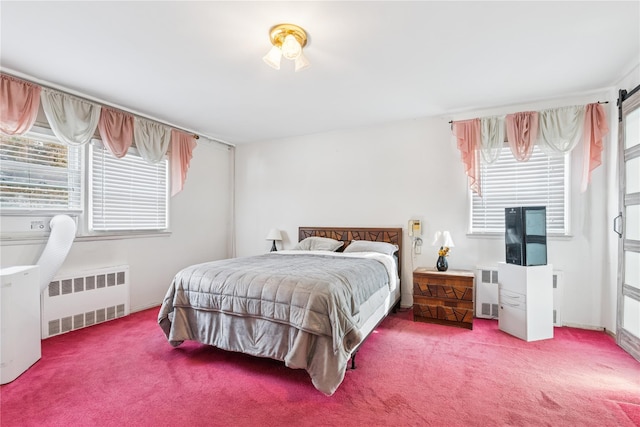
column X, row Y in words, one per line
column 525, row 235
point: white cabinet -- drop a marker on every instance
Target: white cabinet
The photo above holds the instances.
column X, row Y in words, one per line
column 525, row 298
column 19, row 320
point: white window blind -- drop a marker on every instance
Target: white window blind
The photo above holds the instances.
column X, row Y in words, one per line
column 127, row 193
column 540, row 181
column 38, row 173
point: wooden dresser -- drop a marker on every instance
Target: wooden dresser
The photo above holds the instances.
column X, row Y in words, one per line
column 444, row 297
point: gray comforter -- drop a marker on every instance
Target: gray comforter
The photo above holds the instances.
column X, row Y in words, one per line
column 299, row 308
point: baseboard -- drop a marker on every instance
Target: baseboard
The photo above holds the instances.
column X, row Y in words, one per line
column 581, row 326
column 145, row 307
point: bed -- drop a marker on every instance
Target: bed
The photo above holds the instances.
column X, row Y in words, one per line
column 311, row 307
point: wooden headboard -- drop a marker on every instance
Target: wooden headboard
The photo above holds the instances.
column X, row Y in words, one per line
column 347, row 234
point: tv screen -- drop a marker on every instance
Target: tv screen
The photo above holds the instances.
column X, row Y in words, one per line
column 535, row 221
column 525, row 235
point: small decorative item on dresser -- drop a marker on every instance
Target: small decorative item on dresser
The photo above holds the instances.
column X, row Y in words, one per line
column 445, row 241
column 441, row 263
column 444, row 297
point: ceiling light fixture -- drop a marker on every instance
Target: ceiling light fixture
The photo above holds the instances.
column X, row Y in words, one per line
column 288, row 41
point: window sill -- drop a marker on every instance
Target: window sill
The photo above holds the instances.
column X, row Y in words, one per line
column 496, row 236
column 35, row 239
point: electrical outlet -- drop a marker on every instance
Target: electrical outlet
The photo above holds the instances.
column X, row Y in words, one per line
column 37, row 225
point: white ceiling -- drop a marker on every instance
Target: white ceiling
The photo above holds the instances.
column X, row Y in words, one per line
column 197, row 65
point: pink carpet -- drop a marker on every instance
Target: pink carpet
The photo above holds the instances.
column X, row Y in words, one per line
column 409, row 374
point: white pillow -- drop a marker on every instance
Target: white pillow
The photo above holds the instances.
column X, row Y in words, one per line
column 369, row 246
column 318, row 244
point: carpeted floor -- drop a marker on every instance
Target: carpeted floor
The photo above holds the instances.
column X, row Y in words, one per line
column 124, row 373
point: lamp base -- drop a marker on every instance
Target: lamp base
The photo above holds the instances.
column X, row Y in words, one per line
column 442, row 264
column 273, row 247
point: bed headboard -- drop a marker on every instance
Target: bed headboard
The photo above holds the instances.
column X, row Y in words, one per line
column 347, row 234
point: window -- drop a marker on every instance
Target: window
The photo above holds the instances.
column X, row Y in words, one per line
column 39, row 174
column 540, row 181
column 126, row 193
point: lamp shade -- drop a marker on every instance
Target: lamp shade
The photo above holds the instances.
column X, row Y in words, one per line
column 302, row 62
column 443, row 238
column 447, row 240
column 274, row 234
column 273, row 57
column 437, row 239
column 291, row 49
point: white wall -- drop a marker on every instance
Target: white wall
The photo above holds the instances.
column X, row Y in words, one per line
column 388, row 174
column 200, row 222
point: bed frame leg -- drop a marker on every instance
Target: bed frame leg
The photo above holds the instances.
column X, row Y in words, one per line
column 396, row 306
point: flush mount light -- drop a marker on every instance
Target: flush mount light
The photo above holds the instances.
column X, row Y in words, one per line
column 288, row 41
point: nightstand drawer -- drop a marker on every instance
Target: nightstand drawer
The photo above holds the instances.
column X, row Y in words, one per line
column 445, row 302
column 451, row 291
column 441, row 313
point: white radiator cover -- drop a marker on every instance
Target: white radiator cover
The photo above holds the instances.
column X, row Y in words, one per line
column 85, row 298
column 486, row 298
column 487, row 292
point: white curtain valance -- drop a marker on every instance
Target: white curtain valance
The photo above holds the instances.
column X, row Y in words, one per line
column 560, row 129
column 73, row 120
column 492, row 138
column 152, row 139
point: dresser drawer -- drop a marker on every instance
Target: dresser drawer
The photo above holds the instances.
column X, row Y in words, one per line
column 443, row 314
column 456, row 290
column 445, row 302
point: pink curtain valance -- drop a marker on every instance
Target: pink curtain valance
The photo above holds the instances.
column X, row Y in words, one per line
column 556, row 131
column 180, row 154
column 116, row 131
column 19, row 103
column 468, row 135
column 522, row 131
column 595, row 128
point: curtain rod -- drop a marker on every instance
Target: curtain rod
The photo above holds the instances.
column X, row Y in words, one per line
column 599, row 102
column 68, row 91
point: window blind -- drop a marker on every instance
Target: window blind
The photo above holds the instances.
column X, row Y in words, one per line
column 127, row 193
column 541, row 181
column 38, row 173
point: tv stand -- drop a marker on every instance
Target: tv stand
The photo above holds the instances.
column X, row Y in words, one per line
column 525, row 300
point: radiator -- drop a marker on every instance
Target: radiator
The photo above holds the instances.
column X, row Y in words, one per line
column 85, row 298
column 486, row 297
column 487, row 293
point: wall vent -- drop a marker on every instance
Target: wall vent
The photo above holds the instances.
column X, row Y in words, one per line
column 85, row 298
column 486, row 298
